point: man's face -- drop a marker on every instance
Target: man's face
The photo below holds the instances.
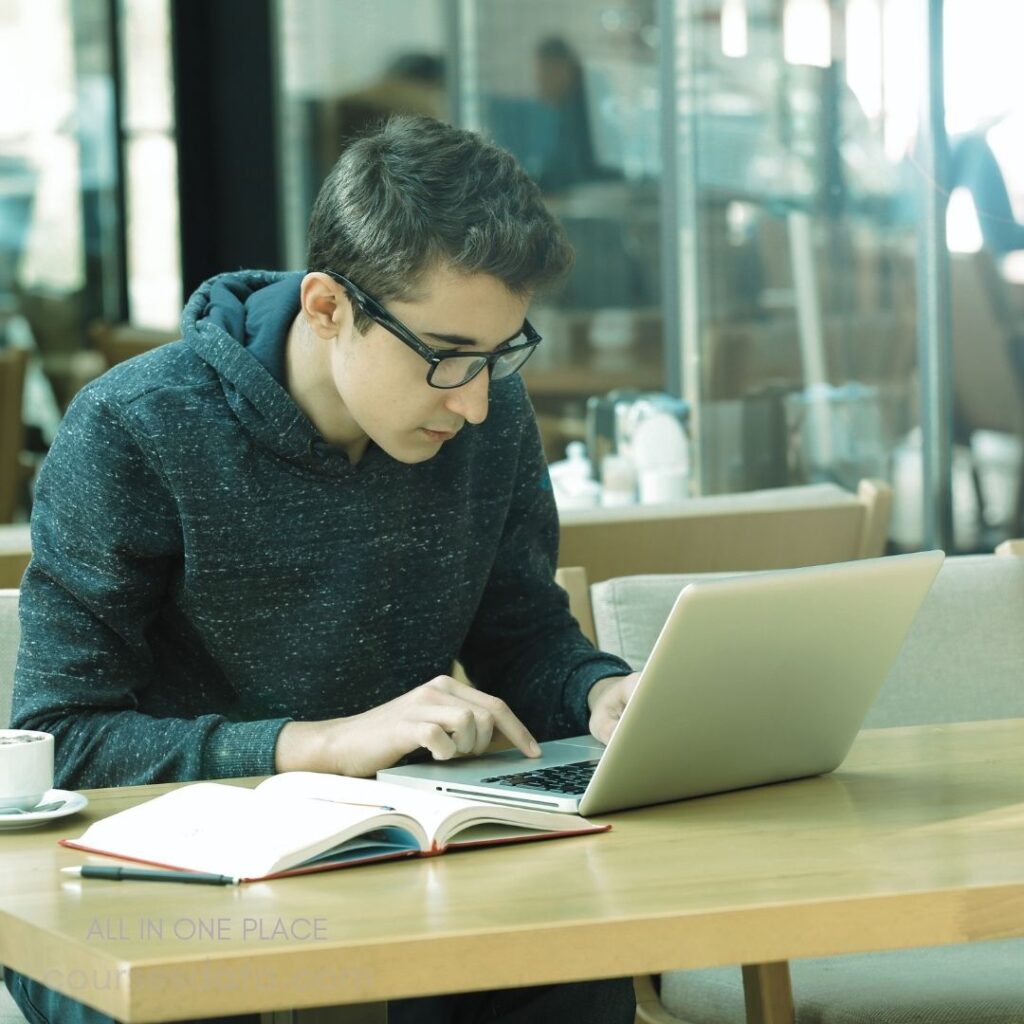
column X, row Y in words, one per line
column 382, row 383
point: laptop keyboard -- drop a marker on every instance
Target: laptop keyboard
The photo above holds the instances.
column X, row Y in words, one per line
column 563, row 778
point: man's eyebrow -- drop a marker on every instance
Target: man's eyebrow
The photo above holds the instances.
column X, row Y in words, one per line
column 463, row 342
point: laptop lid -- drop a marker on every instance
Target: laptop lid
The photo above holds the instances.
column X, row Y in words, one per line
column 753, row 679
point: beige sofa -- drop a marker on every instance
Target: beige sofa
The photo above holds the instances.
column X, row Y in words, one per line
column 963, row 660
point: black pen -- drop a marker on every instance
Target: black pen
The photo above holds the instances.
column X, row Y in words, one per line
column 148, row 875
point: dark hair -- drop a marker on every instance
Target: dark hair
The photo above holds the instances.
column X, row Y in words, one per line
column 556, row 48
column 416, row 194
column 420, row 67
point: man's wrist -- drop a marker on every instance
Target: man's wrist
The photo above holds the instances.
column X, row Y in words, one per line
column 596, row 691
column 299, row 748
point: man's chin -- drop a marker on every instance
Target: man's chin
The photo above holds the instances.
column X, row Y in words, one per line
column 412, row 447
column 410, row 454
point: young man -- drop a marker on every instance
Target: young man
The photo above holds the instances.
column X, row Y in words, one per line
column 260, row 548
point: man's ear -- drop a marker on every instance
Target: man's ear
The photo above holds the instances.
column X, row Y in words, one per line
column 325, row 305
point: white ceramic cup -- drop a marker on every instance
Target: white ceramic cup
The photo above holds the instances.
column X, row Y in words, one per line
column 26, row 767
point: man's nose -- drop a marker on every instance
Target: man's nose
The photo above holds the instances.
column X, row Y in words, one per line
column 470, row 400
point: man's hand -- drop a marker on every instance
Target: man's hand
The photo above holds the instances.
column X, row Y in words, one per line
column 445, row 716
column 607, row 700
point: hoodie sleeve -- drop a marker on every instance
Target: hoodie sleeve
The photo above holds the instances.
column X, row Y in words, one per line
column 106, row 546
column 524, row 645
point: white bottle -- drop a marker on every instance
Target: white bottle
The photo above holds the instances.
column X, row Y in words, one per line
column 618, row 481
column 572, row 480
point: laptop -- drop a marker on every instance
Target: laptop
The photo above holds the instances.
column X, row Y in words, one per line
column 754, row 679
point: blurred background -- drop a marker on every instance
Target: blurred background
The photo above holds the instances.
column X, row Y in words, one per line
column 799, row 223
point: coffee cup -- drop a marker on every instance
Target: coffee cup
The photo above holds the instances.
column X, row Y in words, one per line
column 26, row 767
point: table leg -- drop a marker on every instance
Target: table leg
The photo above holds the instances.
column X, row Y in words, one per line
column 768, row 993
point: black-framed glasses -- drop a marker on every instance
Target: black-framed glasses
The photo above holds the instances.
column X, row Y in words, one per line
column 447, row 369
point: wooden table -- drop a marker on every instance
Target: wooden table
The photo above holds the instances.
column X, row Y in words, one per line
column 917, row 840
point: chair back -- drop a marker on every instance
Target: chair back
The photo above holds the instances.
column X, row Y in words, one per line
column 774, row 529
column 962, row 660
column 573, row 580
column 12, row 428
column 15, row 553
column 988, row 389
column 10, row 634
column 118, row 342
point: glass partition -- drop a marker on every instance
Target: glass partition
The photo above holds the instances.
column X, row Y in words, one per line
column 151, row 165
column 747, row 184
column 578, row 100
column 60, row 230
column 985, row 114
column 343, row 65
column 795, row 124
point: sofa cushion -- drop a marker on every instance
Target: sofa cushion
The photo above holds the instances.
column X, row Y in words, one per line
column 629, row 611
column 9, row 634
column 972, row 984
column 964, row 656
column 973, row 616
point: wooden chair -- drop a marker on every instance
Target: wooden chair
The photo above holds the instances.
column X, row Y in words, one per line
column 775, row 529
column 118, row 342
column 56, row 325
column 12, row 429
column 968, row 629
column 573, row 580
column 15, row 552
column 988, row 377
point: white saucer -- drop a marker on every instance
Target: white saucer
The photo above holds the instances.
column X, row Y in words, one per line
column 74, row 802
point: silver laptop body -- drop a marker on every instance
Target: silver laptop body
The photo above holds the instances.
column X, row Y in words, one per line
column 753, row 679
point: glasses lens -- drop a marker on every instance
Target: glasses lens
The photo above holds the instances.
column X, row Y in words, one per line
column 456, row 371
column 509, row 362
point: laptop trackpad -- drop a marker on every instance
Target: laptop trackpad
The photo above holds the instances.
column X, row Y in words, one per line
column 555, row 752
column 471, row 769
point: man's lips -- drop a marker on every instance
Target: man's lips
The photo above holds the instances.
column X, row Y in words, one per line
column 439, row 435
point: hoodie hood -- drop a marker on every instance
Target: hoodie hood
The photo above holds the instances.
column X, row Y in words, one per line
column 226, row 314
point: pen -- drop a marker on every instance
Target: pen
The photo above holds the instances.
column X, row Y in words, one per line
column 112, row 874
